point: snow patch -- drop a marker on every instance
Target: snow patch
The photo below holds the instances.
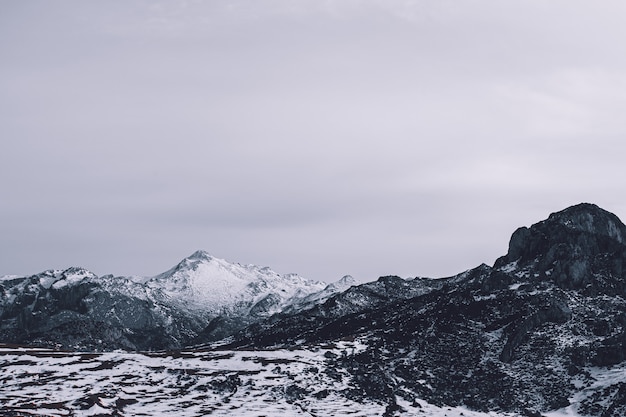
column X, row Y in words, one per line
column 510, row 267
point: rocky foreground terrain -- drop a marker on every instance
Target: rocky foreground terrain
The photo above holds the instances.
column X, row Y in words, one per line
column 541, row 332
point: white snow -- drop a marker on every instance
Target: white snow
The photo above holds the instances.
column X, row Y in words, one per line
column 516, row 285
column 202, row 281
column 185, row 384
column 510, row 267
column 8, row 277
column 72, row 276
column 190, row 383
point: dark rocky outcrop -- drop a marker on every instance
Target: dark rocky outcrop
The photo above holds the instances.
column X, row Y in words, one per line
column 582, row 248
column 84, row 315
column 507, row 338
column 557, row 311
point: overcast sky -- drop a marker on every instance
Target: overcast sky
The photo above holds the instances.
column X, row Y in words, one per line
column 322, row 137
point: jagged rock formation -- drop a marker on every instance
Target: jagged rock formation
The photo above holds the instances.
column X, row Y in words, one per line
column 523, row 336
column 579, row 248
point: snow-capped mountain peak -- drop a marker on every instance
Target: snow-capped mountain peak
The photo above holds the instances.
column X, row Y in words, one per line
column 57, row 278
column 202, row 298
column 201, row 255
column 214, row 284
column 307, row 301
column 343, row 284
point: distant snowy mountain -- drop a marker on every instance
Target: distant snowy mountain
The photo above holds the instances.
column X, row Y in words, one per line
column 202, row 298
column 203, row 282
column 310, row 300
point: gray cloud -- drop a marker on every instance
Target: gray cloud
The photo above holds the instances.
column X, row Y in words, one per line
column 365, row 137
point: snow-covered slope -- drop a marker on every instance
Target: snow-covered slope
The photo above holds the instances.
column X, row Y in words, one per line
column 275, row 383
column 215, row 285
column 239, row 383
column 309, row 301
column 201, row 299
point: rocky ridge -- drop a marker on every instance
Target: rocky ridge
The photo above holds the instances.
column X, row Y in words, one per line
column 525, row 336
column 201, row 299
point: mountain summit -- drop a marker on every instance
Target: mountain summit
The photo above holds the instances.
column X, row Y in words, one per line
column 215, row 285
column 580, row 247
column 202, row 298
column 589, row 218
column 566, row 226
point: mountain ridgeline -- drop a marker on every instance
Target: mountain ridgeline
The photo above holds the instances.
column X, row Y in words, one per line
column 525, row 336
column 542, row 329
column 201, row 299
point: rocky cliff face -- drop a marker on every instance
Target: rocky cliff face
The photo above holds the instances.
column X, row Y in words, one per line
column 579, row 248
column 525, row 336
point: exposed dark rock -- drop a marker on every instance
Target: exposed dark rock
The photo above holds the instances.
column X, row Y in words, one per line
column 581, row 248
column 506, row 338
column 557, row 311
